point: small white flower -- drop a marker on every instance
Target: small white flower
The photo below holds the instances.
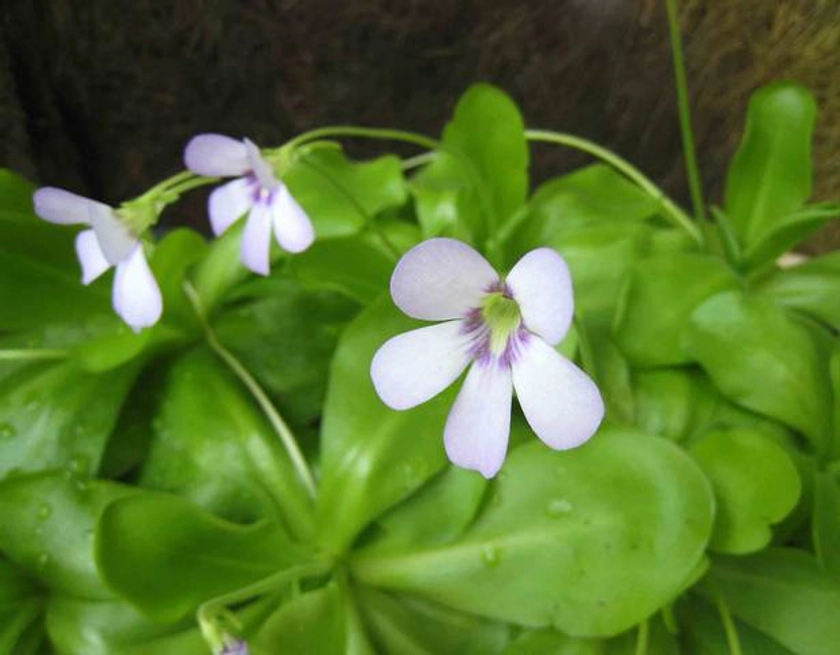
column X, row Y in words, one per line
column 506, row 329
column 256, row 189
column 109, row 242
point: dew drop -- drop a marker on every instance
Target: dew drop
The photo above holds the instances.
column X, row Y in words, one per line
column 44, row 511
column 78, row 465
column 7, row 431
column 43, row 560
column 558, row 507
column 490, row 555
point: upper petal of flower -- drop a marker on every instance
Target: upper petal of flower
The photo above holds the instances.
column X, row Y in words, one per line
column 90, row 256
column 542, row 286
column 415, row 366
column 441, row 279
column 561, row 403
column 115, row 238
column 216, row 155
column 229, row 202
column 136, row 294
column 60, row 206
column 260, row 167
column 478, row 427
column 292, row 226
column 256, row 239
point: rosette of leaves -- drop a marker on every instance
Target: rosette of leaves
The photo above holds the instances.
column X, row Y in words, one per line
column 143, row 482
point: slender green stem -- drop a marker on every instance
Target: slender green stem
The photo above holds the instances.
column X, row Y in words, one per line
column 419, row 160
column 626, row 168
column 365, row 132
column 31, row 354
column 729, row 628
column 692, row 170
column 164, row 185
column 642, row 639
column 277, row 422
column 192, row 183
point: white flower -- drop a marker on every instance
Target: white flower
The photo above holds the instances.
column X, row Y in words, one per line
column 136, row 296
column 256, row 189
column 506, row 329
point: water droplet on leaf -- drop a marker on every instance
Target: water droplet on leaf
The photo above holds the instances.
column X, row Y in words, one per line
column 490, row 555
column 44, row 511
column 43, row 560
column 558, row 507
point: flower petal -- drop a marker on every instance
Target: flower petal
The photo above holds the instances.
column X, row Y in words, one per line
column 441, row 279
column 256, row 240
column 478, row 427
column 216, row 155
column 229, row 202
column 292, row 226
column 136, row 294
column 561, row 403
column 90, row 256
column 65, row 208
column 115, row 238
column 415, row 366
column 542, row 286
column 260, row 167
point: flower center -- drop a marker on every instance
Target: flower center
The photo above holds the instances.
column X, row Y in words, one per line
column 496, row 328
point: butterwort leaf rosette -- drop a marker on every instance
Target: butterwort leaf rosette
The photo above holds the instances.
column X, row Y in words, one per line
column 109, row 242
column 504, row 329
column 257, row 191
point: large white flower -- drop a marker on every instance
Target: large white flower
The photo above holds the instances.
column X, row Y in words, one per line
column 109, row 242
column 506, row 328
column 257, row 191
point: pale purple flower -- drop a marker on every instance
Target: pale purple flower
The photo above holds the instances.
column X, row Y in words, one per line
column 136, row 295
column 255, row 190
column 235, row 648
column 506, row 329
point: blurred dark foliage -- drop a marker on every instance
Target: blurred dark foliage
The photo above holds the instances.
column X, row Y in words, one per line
column 100, row 96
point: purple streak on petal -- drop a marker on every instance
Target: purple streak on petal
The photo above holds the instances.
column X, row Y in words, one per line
column 65, row 208
column 441, row 279
column 136, row 294
column 115, row 239
column 230, row 202
column 292, row 227
column 260, row 167
column 236, row 648
column 542, row 286
column 216, row 155
column 478, row 426
column 256, row 239
column 415, row 366
column 560, row 402
column 90, row 256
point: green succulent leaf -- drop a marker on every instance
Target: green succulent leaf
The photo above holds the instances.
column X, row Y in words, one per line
column 826, row 523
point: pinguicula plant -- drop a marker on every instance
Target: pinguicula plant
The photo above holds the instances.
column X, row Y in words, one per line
column 315, row 432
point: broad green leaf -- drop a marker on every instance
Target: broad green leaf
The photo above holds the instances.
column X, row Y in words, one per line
column 15, row 192
column 311, row 623
column 658, row 300
column 812, row 287
column 446, row 199
column 826, row 523
column 755, row 484
column 781, row 592
column 788, row 231
column 589, row 541
column 142, row 536
column 21, row 603
column 550, row 642
column 770, row 174
column 762, row 359
column 487, row 132
column 371, row 456
column 672, row 402
column 341, row 196
column 610, row 371
column 47, row 528
column 404, row 625
column 212, row 445
column 53, row 414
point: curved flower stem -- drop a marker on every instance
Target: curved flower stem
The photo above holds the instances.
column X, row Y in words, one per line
column 419, row 160
column 31, row 354
column 277, row 422
column 729, row 629
column 691, row 168
column 642, row 639
column 626, row 168
column 365, row 132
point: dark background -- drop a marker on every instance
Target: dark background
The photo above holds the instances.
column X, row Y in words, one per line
column 100, row 96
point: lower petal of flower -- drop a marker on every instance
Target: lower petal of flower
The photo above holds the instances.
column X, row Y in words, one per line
column 256, row 240
column 292, row 227
column 90, row 256
column 561, row 403
column 229, row 202
column 478, row 427
column 115, row 238
column 136, row 294
column 415, row 366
